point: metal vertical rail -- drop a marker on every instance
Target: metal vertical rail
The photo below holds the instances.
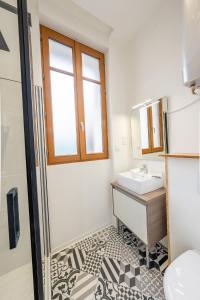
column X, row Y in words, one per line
column 29, row 148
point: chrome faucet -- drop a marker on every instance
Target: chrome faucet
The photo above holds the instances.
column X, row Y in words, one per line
column 144, row 169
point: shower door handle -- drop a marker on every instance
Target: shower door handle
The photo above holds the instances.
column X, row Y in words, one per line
column 13, row 217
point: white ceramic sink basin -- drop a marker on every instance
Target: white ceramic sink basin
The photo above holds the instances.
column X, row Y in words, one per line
column 139, row 183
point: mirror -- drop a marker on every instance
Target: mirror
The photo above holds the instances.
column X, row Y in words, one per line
column 149, row 129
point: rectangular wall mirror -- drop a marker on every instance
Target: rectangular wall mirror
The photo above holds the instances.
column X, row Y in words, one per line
column 149, row 129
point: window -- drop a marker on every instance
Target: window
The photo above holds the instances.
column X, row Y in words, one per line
column 151, row 124
column 75, row 99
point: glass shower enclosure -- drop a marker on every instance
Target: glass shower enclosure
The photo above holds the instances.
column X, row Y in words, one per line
column 24, row 223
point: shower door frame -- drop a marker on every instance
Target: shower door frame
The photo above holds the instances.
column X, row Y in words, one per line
column 23, row 23
column 29, row 148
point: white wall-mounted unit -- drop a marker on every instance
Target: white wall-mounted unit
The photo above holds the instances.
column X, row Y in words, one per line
column 191, row 42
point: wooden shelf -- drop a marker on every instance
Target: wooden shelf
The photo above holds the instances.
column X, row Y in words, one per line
column 182, row 155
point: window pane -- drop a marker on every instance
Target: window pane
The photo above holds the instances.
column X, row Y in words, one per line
column 60, row 56
column 90, row 67
column 64, row 116
column 144, row 128
column 156, row 124
column 93, row 117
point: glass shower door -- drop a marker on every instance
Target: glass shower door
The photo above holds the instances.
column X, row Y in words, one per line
column 16, row 246
column 15, row 263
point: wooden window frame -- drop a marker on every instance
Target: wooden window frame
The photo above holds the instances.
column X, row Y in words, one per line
column 77, row 50
column 151, row 148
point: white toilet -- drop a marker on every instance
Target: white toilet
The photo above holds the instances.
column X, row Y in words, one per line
column 182, row 277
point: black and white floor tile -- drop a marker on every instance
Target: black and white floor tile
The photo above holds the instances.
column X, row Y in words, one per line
column 129, row 276
column 63, row 281
column 106, row 290
column 76, row 258
column 129, row 294
column 85, row 287
column 108, row 265
column 113, row 249
column 158, row 256
column 130, row 255
column 110, row 269
column 93, row 263
column 151, row 282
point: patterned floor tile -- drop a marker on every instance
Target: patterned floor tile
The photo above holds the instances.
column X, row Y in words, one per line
column 104, row 234
column 113, row 249
column 85, row 287
column 148, row 298
column 129, row 276
column 76, row 258
column 162, row 256
column 129, row 237
column 158, row 256
column 92, row 263
column 85, row 244
column 130, row 254
column 113, row 263
column 56, row 265
column 113, row 229
column 93, row 244
column 125, row 293
column 115, row 235
column 60, row 291
column 63, row 282
column 98, row 246
column 62, row 273
column 110, row 269
column 59, row 259
column 152, row 283
column 106, row 290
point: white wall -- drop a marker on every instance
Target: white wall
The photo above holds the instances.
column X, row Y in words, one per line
column 184, row 205
column 157, row 72
column 79, row 193
column 69, row 19
column 119, row 92
column 80, row 201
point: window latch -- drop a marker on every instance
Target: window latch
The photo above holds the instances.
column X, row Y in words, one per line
column 82, row 126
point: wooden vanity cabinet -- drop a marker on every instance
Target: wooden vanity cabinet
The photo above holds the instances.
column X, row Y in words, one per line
column 144, row 215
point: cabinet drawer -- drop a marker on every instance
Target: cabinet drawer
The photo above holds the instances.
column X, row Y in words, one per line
column 131, row 213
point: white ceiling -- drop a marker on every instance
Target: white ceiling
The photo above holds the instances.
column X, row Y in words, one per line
column 124, row 16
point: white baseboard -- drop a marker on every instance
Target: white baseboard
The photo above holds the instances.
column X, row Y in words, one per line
column 88, row 234
column 79, row 238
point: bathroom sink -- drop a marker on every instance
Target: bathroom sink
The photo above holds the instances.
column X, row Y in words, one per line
column 140, row 183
